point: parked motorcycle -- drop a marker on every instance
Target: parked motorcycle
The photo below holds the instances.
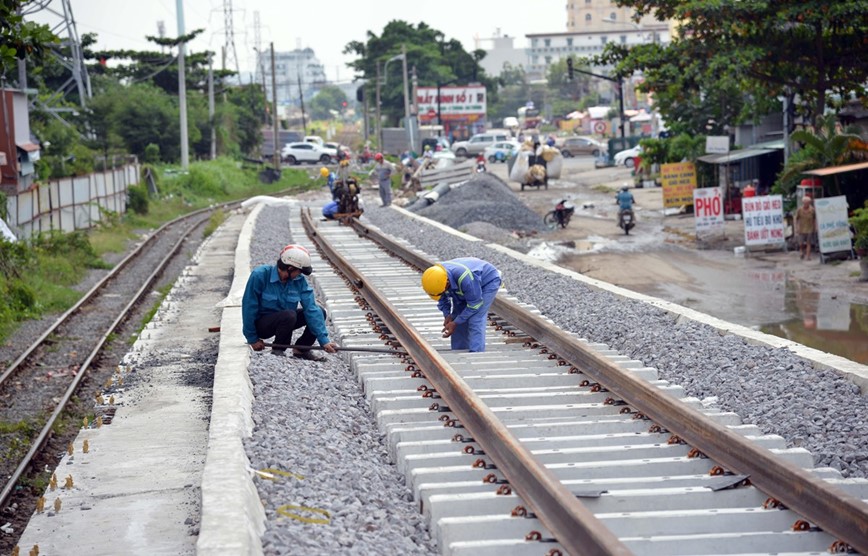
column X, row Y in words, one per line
column 626, row 221
column 560, row 216
column 480, row 165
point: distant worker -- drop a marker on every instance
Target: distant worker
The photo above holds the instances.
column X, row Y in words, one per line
column 330, row 179
column 270, row 306
column 625, row 202
column 464, row 289
column 383, row 168
column 805, row 225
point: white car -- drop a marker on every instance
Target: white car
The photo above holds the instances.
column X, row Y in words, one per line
column 478, row 143
column 501, row 151
column 628, row 157
column 296, row 153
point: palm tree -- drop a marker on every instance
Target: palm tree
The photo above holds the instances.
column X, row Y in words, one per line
column 822, row 146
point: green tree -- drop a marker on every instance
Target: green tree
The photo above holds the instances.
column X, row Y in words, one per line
column 328, row 99
column 741, row 55
column 437, row 61
column 564, row 94
column 821, row 147
column 21, row 39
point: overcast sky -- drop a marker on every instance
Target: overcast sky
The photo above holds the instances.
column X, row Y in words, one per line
column 291, row 23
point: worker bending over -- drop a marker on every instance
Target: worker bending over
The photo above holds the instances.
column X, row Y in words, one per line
column 464, row 289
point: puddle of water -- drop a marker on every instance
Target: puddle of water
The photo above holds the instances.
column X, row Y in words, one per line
column 821, row 321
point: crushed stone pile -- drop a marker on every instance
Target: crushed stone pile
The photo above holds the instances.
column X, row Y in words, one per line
column 483, row 198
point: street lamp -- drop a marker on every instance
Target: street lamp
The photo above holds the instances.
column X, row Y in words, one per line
column 383, row 81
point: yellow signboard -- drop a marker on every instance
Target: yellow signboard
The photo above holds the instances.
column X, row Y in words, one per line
column 679, row 181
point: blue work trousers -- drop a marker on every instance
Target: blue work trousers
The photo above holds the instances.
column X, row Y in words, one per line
column 471, row 334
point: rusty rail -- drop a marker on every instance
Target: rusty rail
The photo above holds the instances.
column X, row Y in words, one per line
column 820, row 502
column 573, row 525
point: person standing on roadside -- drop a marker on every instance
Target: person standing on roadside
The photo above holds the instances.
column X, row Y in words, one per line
column 383, row 168
column 464, row 289
column 805, row 225
column 270, row 306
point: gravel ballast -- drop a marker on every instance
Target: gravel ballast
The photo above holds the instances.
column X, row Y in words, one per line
column 312, row 420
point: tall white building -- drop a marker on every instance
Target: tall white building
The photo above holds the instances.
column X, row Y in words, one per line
column 499, row 51
column 288, row 67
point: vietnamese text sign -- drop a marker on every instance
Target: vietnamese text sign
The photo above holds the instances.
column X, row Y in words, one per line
column 453, row 100
column 679, row 181
column 708, row 211
column 763, row 220
column 833, row 230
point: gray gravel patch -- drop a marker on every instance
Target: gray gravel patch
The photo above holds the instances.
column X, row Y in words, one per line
column 773, row 388
column 483, row 198
column 311, row 420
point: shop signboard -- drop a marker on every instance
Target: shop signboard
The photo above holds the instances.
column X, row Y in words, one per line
column 708, row 211
column 679, row 181
column 454, row 102
column 763, row 220
column 833, row 230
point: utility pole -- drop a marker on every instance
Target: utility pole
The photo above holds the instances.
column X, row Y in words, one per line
column 211, row 108
column 301, row 100
column 182, row 89
column 377, row 111
column 408, row 125
column 275, row 119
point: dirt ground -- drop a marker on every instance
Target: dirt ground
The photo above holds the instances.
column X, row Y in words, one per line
column 662, row 257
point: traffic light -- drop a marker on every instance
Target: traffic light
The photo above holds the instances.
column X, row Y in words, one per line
column 570, row 68
column 360, row 94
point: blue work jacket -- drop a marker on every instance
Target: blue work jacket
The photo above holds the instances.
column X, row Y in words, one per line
column 266, row 294
column 467, row 276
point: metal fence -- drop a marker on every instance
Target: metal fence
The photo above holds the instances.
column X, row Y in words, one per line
column 69, row 204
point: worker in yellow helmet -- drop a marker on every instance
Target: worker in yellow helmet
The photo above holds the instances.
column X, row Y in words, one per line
column 464, row 289
column 330, row 180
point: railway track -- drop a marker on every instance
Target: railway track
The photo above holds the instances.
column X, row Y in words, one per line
column 42, row 382
column 546, row 444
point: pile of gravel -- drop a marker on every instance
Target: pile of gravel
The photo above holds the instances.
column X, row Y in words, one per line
column 313, row 423
column 773, row 388
column 483, row 198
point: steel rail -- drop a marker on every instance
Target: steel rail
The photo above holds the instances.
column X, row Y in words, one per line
column 573, row 525
column 37, row 444
column 826, row 505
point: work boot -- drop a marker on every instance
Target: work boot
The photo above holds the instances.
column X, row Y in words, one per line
column 278, row 352
column 308, row 354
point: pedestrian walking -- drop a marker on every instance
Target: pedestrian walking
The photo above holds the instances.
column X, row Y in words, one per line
column 464, row 289
column 270, row 306
column 383, row 169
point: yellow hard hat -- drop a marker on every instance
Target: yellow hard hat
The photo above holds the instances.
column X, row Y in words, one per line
column 324, row 172
column 434, row 281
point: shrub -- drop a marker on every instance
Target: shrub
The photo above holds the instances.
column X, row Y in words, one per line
column 152, row 154
column 137, row 199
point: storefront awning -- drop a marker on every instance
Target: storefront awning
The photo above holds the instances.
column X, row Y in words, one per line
column 734, row 156
column 837, row 169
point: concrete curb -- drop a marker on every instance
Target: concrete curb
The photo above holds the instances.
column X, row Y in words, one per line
column 854, row 372
column 233, row 518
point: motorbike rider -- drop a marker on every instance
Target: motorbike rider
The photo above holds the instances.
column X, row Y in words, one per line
column 480, row 163
column 563, row 211
column 625, row 201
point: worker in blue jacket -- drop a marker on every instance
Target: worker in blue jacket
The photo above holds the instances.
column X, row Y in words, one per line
column 464, row 289
column 270, row 306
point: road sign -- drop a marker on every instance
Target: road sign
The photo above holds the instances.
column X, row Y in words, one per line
column 600, row 127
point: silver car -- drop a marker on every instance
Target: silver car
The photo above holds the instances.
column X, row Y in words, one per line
column 478, row 143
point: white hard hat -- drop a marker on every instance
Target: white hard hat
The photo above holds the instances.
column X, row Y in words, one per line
column 298, row 257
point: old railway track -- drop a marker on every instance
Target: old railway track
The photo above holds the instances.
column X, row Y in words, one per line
column 556, row 441
column 41, row 384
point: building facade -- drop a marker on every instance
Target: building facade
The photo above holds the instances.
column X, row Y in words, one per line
column 290, row 68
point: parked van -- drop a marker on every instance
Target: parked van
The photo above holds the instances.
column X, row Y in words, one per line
column 479, row 142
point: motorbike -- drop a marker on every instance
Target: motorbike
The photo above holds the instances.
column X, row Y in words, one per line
column 561, row 215
column 365, row 156
column 480, row 166
column 626, row 220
